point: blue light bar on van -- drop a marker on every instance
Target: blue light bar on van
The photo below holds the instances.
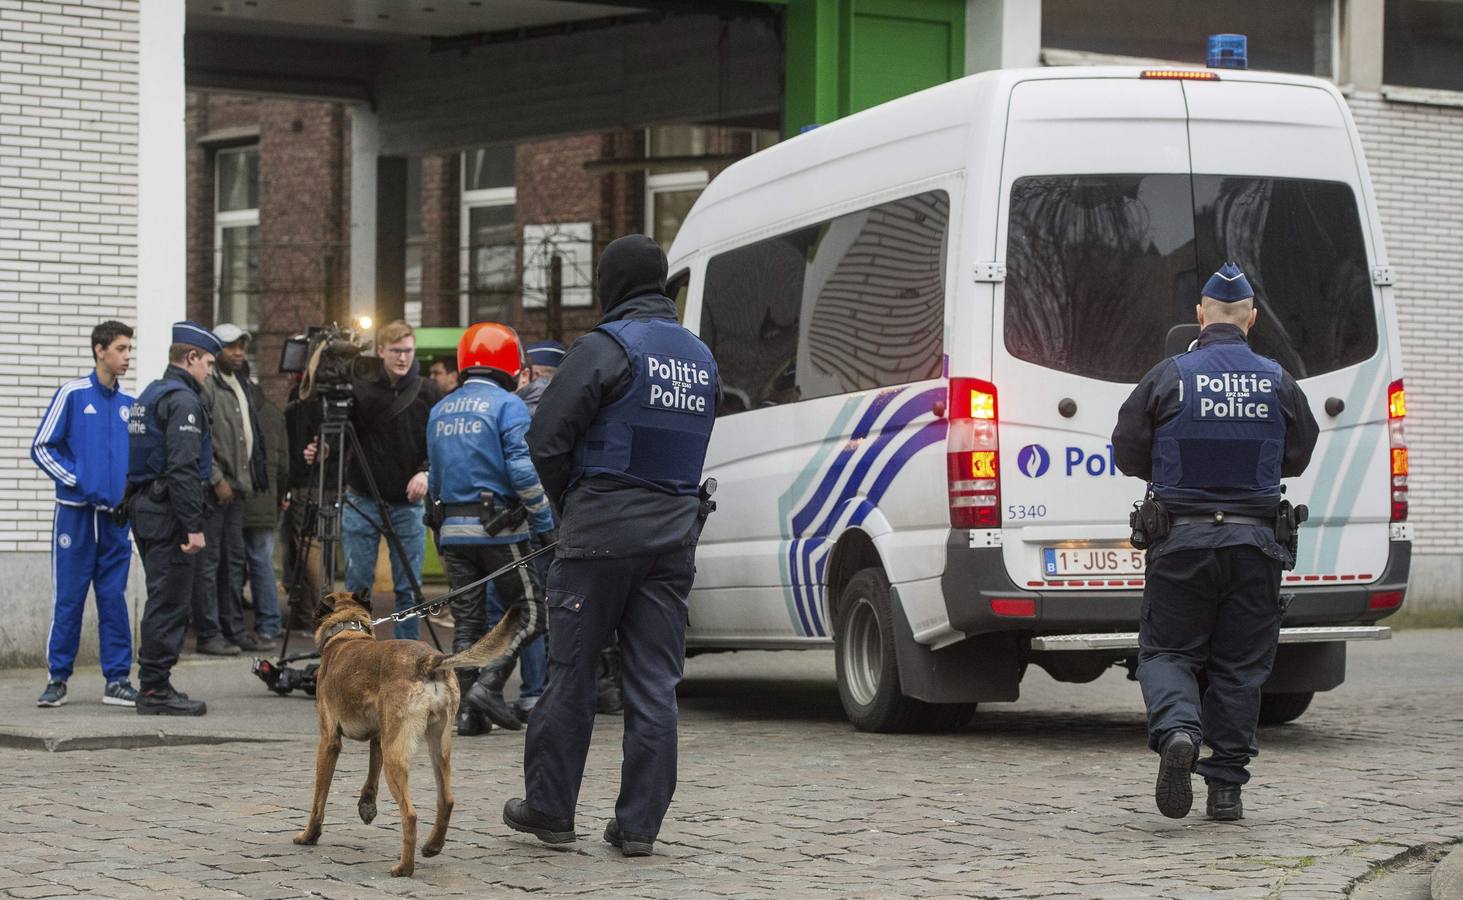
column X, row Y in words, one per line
column 1229, row 51
column 1182, row 74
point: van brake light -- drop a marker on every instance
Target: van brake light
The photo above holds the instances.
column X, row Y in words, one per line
column 972, row 457
column 1397, row 458
column 1180, row 74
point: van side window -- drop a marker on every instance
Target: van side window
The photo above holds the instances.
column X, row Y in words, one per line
column 851, row 304
column 1101, row 267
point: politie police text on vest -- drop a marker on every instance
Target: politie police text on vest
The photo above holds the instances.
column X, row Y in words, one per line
column 458, row 404
column 1235, row 395
column 673, row 383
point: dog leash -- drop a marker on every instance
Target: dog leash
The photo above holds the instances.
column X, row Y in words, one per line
column 431, row 606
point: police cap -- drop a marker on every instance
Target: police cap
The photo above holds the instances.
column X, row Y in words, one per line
column 1228, row 285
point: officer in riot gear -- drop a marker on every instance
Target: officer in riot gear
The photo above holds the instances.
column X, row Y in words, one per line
column 485, row 502
column 169, row 462
column 1212, row 431
column 619, row 440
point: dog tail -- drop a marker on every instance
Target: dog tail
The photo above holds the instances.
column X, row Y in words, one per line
column 488, row 648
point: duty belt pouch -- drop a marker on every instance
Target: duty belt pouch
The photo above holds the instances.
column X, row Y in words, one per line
column 1288, row 520
column 434, row 516
column 496, row 521
column 1150, row 523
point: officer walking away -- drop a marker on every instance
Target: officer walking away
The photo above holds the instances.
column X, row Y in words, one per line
column 619, row 440
column 169, row 464
column 485, row 501
column 240, row 469
column 82, row 445
column 1213, row 431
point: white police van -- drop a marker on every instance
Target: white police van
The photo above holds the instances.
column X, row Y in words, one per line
column 926, row 316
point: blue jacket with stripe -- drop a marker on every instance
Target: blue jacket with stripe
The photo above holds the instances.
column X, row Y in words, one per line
column 475, row 443
column 82, row 442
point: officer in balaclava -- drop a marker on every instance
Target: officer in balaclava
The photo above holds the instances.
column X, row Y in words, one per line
column 1212, row 431
column 619, row 440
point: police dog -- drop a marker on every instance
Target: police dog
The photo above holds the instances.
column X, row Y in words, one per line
column 391, row 693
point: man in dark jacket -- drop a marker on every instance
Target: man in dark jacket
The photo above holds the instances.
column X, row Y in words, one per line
column 239, row 469
column 1212, row 431
column 262, row 512
column 169, row 463
column 619, row 440
column 390, row 419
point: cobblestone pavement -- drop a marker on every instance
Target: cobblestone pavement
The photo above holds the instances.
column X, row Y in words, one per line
column 1050, row 796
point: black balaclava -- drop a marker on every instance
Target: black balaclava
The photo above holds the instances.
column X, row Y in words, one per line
column 631, row 265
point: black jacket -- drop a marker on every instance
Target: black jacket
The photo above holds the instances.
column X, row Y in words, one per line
column 395, row 447
column 1157, row 399
column 600, row 516
column 183, row 416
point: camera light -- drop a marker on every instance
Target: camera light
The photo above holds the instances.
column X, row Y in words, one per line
column 364, row 322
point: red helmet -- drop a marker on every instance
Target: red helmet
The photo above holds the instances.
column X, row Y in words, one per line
column 490, row 345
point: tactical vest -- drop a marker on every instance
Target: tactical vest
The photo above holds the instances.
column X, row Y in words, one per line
column 147, row 445
column 1227, row 442
column 656, row 434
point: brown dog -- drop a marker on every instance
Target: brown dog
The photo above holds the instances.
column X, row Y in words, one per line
column 391, row 693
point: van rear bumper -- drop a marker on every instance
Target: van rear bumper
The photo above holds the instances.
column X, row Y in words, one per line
column 975, row 577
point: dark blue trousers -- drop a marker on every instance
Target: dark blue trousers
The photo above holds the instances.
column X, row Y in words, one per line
column 89, row 552
column 1216, row 611
column 644, row 597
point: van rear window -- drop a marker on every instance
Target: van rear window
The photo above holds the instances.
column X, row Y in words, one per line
column 1101, row 267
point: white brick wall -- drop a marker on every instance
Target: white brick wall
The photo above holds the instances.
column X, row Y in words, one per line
column 68, row 211
column 1415, row 154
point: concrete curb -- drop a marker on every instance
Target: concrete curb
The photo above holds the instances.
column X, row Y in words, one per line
column 1447, row 883
column 33, row 739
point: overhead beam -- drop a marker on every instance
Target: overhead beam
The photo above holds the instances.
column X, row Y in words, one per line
column 265, row 65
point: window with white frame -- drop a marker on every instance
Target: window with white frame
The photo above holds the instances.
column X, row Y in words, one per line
column 236, row 237
column 489, row 260
column 670, row 195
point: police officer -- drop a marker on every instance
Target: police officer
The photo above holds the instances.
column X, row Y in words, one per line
column 169, row 462
column 1213, row 431
column 619, row 440
column 486, row 501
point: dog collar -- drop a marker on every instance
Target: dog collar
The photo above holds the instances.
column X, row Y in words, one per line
column 343, row 626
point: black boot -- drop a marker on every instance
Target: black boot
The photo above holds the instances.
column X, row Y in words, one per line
column 607, row 696
column 1174, row 792
column 1224, row 803
column 629, row 844
column 470, row 724
column 519, row 816
column 486, row 694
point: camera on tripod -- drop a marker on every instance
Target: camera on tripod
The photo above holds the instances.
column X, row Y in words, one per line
column 282, row 679
column 330, row 358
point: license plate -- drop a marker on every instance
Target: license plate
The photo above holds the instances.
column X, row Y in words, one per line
column 1084, row 561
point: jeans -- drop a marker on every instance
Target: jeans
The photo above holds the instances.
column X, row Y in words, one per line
column 218, row 595
column 534, row 656
column 361, row 535
column 259, row 545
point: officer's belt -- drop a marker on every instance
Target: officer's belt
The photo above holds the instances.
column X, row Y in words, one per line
column 1222, row 518
column 471, row 510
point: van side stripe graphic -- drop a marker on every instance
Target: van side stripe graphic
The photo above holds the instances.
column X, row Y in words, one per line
column 808, row 548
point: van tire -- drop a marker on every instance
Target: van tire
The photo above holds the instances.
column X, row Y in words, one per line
column 1277, row 709
column 863, row 653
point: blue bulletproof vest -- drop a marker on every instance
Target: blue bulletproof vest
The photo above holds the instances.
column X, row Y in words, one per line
column 656, row 434
column 147, row 445
column 1227, row 442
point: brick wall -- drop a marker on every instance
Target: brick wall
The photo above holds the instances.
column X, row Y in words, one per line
column 1415, row 154
column 68, row 232
column 304, row 202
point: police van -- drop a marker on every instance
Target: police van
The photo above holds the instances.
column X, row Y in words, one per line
column 926, row 316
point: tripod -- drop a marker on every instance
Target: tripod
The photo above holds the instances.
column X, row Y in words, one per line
column 337, row 445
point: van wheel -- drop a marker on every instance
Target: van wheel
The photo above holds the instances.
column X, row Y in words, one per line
column 1277, row 709
column 868, row 675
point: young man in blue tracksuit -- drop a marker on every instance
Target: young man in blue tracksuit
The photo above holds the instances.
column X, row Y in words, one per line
column 486, row 502
column 82, row 445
